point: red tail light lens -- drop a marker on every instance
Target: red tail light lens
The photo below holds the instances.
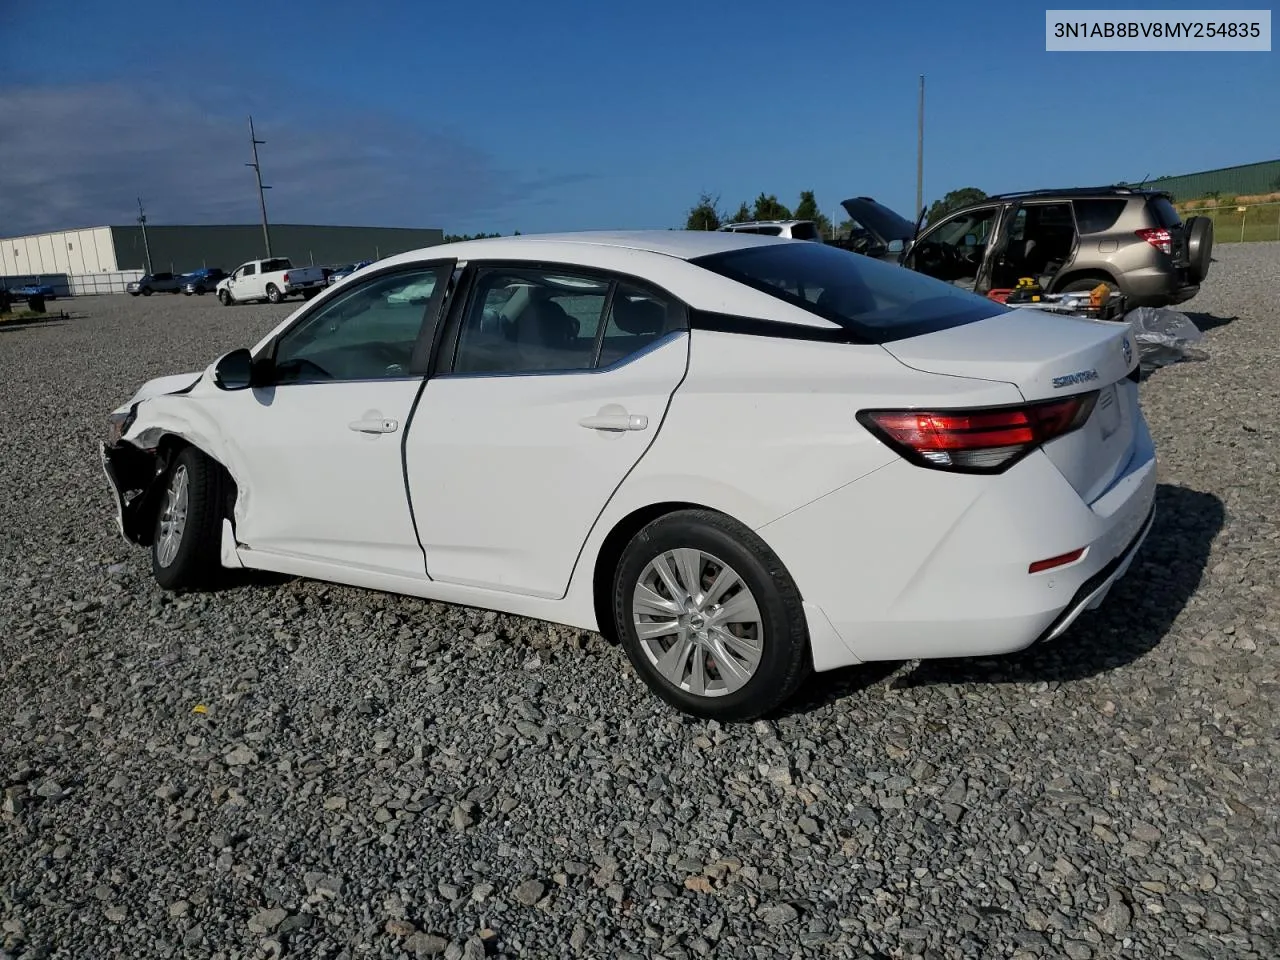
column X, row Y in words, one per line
column 285, row 279
column 985, row 440
column 1158, row 237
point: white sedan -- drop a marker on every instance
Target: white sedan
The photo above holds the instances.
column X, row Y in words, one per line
column 745, row 457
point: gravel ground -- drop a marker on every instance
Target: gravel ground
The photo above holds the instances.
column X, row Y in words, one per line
column 290, row 768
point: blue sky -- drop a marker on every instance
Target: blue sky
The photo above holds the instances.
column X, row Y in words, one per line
column 572, row 115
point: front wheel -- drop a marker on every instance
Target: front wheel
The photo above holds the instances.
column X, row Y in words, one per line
column 709, row 617
column 224, row 297
column 146, row 291
column 273, row 293
column 186, row 547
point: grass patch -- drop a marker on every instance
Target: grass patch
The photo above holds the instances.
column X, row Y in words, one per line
column 27, row 316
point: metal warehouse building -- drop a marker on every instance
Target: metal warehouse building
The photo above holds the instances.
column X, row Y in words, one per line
column 1247, row 179
column 71, row 254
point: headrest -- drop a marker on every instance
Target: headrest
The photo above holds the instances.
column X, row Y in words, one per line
column 638, row 317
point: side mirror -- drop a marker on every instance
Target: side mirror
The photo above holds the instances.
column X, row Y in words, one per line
column 234, row 370
column 895, row 247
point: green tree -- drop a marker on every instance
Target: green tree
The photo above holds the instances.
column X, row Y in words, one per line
column 807, row 209
column 704, row 215
column 770, row 208
column 954, row 201
column 743, row 214
column 459, row 237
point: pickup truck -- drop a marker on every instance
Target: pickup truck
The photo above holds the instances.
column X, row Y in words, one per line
column 270, row 280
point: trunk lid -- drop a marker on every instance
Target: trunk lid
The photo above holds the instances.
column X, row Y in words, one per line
column 1049, row 356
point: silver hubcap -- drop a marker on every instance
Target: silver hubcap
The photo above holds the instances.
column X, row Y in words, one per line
column 697, row 622
column 173, row 518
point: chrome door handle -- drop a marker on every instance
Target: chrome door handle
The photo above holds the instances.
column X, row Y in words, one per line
column 615, row 422
column 374, row 426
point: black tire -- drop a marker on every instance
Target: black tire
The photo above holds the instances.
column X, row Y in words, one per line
column 197, row 561
column 273, row 294
column 1085, row 284
column 224, row 297
column 1199, row 247
column 309, row 293
column 146, row 291
column 133, row 293
column 785, row 658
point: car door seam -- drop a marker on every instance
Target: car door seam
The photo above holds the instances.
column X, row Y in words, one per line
column 643, row 453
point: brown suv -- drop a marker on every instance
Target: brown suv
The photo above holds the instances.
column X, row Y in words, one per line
column 1069, row 240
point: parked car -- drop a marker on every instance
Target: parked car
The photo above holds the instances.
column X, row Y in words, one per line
column 341, row 273
column 1068, row 240
column 746, row 456
column 154, row 283
column 202, row 281
column 272, row 280
column 793, row 229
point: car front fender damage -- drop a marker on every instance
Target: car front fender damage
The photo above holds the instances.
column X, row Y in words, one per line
column 137, row 476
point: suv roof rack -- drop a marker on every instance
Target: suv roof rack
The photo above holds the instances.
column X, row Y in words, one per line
column 1114, row 188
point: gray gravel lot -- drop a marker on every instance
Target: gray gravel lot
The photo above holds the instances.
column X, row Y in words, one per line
column 379, row 776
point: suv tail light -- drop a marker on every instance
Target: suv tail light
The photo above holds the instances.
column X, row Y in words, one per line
column 1158, row 237
column 984, row 440
column 285, row 278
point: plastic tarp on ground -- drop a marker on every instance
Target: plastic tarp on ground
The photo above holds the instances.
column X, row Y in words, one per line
column 1164, row 336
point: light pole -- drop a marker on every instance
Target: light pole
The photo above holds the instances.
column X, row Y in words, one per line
column 262, row 197
column 920, row 153
column 142, row 221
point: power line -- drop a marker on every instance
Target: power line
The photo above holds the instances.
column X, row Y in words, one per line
column 262, row 197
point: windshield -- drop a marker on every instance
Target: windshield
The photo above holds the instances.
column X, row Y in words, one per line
column 877, row 301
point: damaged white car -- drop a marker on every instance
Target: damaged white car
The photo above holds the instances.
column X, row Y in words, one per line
column 746, row 457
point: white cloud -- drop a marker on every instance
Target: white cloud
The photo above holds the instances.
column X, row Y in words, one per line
column 81, row 155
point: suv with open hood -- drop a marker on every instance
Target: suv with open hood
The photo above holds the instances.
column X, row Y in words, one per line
column 1068, row 240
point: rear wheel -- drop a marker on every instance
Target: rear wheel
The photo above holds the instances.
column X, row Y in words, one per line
column 1199, row 247
column 709, row 617
column 186, row 548
column 1085, row 284
column 273, row 293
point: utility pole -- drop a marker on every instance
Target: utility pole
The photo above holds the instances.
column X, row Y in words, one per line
column 142, row 221
column 262, row 197
column 920, row 153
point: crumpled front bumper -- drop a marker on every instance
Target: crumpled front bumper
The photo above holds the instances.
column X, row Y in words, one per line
column 134, row 476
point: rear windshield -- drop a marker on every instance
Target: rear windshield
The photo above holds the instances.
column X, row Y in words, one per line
column 877, row 301
column 1164, row 212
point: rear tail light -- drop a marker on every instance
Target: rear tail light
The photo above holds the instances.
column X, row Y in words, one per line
column 285, row 278
column 1158, row 237
column 985, row 440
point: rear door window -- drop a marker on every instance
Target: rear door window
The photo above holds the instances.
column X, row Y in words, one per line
column 805, row 231
column 1099, row 215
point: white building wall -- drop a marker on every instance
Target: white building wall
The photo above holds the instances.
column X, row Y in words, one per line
column 74, row 252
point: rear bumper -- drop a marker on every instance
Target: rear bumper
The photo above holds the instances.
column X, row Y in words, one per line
column 909, row 563
column 1157, row 287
